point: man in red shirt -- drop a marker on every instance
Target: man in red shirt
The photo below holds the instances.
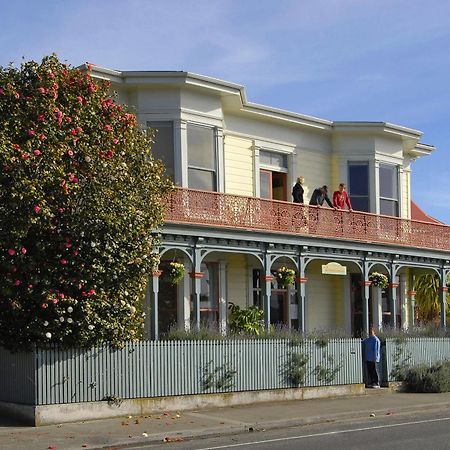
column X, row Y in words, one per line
column 340, row 198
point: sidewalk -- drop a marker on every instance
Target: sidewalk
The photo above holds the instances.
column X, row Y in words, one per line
column 171, row 426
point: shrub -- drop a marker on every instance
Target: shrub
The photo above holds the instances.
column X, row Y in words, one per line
column 80, row 195
column 423, row 378
column 246, row 320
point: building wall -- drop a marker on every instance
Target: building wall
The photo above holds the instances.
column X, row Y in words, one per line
column 324, row 299
column 316, row 166
column 239, row 172
column 237, row 279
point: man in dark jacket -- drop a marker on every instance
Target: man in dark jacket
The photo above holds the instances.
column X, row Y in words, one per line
column 297, row 191
column 319, row 196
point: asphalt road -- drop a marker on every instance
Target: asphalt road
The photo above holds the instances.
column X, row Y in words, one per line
column 411, row 432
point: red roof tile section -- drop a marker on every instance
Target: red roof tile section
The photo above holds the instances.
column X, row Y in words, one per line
column 418, row 214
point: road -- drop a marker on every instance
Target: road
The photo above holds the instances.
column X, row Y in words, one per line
column 412, row 432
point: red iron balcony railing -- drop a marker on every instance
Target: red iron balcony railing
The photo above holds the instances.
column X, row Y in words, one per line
column 251, row 213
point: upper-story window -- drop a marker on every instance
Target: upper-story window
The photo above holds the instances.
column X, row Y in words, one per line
column 273, row 175
column 162, row 147
column 358, row 184
column 202, row 159
column 388, row 178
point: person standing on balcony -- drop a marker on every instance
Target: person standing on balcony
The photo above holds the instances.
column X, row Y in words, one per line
column 319, row 196
column 298, row 191
column 371, row 358
column 340, row 198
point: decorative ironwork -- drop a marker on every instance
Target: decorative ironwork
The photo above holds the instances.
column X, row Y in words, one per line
column 235, row 211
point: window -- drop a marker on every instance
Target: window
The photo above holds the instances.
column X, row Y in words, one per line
column 388, row 190
column 162, row 147
column 273, row 175
column 202, row 173
column 358, row 176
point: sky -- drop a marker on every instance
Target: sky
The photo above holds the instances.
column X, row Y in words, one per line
column 386, row 61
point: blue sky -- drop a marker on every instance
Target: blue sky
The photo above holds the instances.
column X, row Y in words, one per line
column 387, row 60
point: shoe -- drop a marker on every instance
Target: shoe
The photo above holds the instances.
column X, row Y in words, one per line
column 376, row 386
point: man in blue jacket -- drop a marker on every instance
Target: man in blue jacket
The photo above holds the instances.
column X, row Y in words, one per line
column 372, row 357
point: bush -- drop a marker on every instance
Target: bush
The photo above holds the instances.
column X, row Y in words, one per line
column 423, row 378
column 80, row 195
column 246, row 321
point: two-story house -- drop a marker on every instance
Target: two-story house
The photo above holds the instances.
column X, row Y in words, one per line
column 232, row 222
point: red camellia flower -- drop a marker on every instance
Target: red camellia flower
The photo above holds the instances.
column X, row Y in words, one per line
column 42, row 90
column 36, row 152
column 44, row 305
column 31, row 133
column 63, row 261
column 42, row 137
column 16, row 146
column 11, row 252
column 23, row 250
column 41, row 117
column 69, row 152
column 80, row 99
column 17, row 283
column 37, row 209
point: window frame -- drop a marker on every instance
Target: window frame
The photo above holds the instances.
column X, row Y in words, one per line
column 395, row 201
column 354, row 197
column 213, row 171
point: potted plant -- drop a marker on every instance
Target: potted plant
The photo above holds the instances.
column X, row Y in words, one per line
column 379, row 280
column 176, row 272
column 285, row 276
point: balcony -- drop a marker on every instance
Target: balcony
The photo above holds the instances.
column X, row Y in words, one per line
column 216, row 209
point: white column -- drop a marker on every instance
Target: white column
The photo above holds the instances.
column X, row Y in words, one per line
column 377, row 309
column 218, row 138
column 184, row 299
column 180, row 153
column 223, row 297
column 256, row 187
column 403, row 301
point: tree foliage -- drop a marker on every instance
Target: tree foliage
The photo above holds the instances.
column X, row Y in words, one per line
column 428, row 307
column 80, row 196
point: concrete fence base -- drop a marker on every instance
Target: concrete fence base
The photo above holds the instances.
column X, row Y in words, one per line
column 76, row 412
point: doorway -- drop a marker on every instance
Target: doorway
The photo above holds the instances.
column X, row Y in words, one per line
column 273, row 185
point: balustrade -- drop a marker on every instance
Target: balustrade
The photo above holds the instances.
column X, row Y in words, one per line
column 236, row 211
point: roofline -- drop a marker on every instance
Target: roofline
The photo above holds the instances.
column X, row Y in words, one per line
column 381, row 126
column 229, row 88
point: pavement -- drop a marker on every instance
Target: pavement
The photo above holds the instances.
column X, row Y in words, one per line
column 173, row 426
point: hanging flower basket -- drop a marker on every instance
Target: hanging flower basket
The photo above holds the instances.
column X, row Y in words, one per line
column 379, row 280
column 176, row 272
column 285, row 276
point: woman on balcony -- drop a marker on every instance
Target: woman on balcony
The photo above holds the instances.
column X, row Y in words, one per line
column 298, row 191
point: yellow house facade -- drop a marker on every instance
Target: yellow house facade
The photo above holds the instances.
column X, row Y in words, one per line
column 232, row 223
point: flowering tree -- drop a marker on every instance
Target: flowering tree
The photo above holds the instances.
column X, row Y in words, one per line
column 80, row 195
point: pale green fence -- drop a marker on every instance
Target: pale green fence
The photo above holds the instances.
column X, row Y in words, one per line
column 171, row 368
column 401, row 353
